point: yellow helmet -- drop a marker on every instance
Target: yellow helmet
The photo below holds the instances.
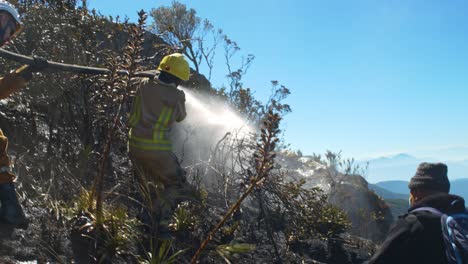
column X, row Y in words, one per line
column 176, row 65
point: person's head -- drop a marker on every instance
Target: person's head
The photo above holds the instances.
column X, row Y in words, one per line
column 430, row 178
column 10, row 22
column 174, row 69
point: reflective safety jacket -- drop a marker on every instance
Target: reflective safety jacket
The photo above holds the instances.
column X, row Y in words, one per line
column 156, row 107
column 9, row 84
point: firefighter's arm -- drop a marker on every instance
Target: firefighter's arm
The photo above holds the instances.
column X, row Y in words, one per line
column 17, row 79
column 14, row 81
column 180, row 112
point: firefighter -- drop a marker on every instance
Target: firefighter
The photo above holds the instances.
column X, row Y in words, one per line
column 157, row 106
column 10, row 26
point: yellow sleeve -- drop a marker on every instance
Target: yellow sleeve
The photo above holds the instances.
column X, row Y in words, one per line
column 12, row 82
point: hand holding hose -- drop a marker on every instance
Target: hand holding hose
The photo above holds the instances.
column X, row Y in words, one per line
column 38, row 64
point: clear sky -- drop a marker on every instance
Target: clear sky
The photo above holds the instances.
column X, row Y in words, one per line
column 367, row 77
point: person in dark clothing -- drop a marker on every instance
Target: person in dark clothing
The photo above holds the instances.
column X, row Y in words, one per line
column 417, row 236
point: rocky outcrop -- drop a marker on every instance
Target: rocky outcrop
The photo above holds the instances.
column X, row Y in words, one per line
column 370, row 216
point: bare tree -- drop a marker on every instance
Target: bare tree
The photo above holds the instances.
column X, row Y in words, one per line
column 187, row 33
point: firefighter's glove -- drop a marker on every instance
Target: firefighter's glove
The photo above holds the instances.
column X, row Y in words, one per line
column 39, row 64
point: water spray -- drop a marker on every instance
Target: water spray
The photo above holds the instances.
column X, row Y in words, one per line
column 212, row 137
column 208, row 112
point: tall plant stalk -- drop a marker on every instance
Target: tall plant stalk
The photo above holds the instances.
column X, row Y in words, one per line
column 131, row 57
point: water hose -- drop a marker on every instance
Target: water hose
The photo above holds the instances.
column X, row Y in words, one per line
column 57, row 66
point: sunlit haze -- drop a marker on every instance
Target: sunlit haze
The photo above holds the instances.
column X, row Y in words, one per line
column 366, row 77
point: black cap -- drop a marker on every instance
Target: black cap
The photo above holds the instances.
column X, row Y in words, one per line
column 431, row 176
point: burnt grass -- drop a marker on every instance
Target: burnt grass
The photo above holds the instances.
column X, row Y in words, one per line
column 46, row 241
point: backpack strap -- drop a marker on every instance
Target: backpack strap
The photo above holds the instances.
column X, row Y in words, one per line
column 454, row 234
column 429, row 209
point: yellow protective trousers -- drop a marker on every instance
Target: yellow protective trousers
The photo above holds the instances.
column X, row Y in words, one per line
column 162, row 182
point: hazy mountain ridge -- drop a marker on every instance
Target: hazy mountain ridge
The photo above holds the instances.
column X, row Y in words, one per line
column 458, row 187
column 396, row 193
column 387, row 194
column 403, row 166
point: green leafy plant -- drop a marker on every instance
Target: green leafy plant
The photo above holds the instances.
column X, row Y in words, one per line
column 162, row 254
column 115, row 227
column 226, row 251
column 184, row 219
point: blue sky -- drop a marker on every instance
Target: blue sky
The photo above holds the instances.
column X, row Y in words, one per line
column 367, row 77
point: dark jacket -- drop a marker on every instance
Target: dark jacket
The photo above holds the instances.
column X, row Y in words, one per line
column 417, row 237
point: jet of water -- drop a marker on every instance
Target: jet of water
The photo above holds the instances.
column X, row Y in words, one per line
column 209, row 113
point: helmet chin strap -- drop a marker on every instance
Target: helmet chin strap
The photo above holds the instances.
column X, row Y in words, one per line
column 2, row 33
column 168, row 78
column 4, row 28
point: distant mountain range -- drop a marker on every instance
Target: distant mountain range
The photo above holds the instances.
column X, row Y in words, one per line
column 396, row 193
column 387, row 193
column 399, row 189
column 403, row 166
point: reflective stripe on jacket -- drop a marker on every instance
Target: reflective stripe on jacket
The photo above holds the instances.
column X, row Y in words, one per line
column 156, row 107
column 5, row 174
